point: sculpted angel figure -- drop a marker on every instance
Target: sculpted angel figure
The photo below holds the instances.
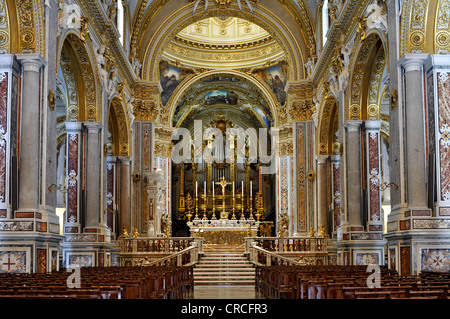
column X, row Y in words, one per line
column 377, row 17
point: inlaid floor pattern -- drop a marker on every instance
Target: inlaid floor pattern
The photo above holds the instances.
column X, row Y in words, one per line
column 224, row 265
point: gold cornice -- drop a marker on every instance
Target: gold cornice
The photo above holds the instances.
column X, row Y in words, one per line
column 352, row 8
column 100, row 24
column 207, row 57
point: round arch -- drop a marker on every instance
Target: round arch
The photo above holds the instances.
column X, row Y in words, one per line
column 153, row 44
column 119, row 127
column 190, row 82
column 78, row 56
column 326, row 126
column 369, row 60
column 424, row 27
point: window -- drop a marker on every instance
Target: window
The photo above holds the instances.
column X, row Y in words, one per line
column 120, row 20
column 325, row 22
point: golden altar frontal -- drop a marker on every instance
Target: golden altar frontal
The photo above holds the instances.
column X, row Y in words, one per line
column 224, row 232
column 224, row 235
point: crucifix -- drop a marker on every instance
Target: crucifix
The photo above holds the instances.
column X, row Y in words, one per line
column 223, row 183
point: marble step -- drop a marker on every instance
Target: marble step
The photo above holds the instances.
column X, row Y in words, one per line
column 224, row 272
column 222, row 260
column 227, row 266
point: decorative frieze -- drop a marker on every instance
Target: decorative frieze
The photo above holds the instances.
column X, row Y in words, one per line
column 71, row 238
column 16, row 226
column 431, row 223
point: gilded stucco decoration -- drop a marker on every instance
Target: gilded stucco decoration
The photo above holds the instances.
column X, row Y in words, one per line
column 4, row 27
column 88, row 77
column 147, row 103
column 442, row 31
column 123, row 128
column 27, row 28
column 357, row 83
column 375, row 85
column 327, row 122
column 71, row 87
column 300, row 102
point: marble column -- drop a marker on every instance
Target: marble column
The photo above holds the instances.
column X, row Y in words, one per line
column 125, row 193
column 74, row 143
column 322, row 200
column 373, row 174
column 415, row 130
column 353, row 169
column 93, row 174
column 9, row 96
column 29, row 177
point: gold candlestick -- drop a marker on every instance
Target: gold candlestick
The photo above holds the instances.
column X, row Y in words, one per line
column 251, row 209
column 233, row 217
column 196, row 209
column 214, row 210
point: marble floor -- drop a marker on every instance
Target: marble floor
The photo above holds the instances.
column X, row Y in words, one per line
column 225, row 292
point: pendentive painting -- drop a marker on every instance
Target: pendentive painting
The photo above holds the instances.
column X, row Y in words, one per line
column 170, row 78
column 276, row 78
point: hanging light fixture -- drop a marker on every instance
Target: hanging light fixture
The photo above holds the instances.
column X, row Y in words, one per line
column 223, row 4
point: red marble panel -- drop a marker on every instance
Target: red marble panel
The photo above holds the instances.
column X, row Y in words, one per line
column 3, row 213
column 110, row 198
column 375, row 228
column 405, row 261
column 24, row 214
column 71, row 230
column 41, row 265
column 41, row 227
column 392, row 261
column 346, row 258
column 54, row 260
column 72, row 187
column 337, row 194
column 3, row 133
column 444, row 133
column 146, row 145
column 301, row 175
column 405, row 225
column 424, row 212
column 374, row 171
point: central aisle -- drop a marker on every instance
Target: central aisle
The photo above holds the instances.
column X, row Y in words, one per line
column 224, row 272
column 225, row 292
